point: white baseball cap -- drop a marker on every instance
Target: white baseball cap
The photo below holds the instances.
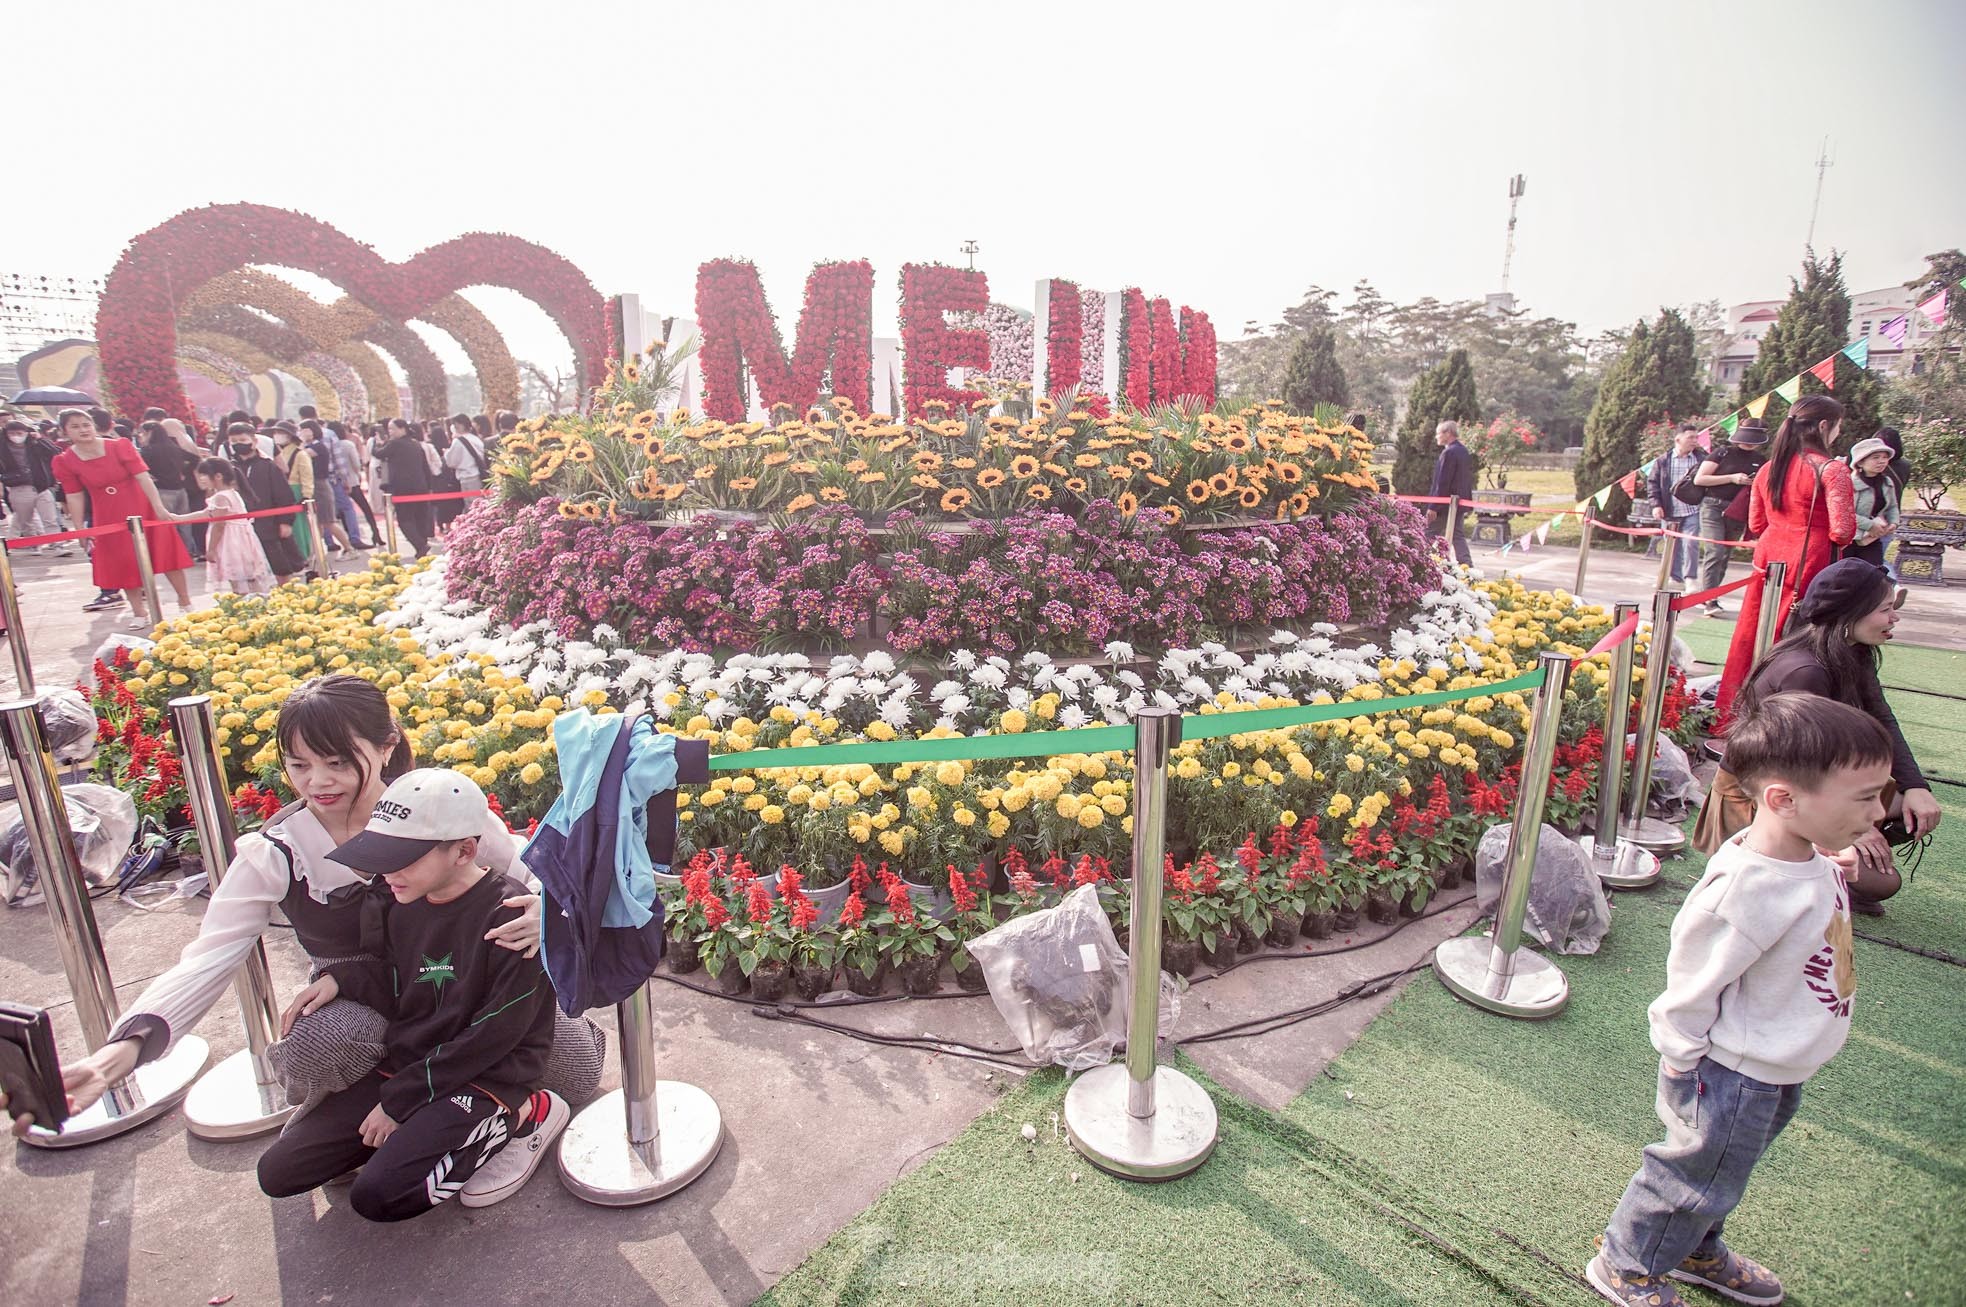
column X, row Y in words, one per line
column 419, row 811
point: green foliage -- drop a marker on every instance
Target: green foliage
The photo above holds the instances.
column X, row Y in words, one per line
column 1938, row 388
column 1445, row 392
column 1656, row 378
column 1937, row 450
column 1313, row 376
column 1815, row 323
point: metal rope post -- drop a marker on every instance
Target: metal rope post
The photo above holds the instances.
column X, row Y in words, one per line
column 241, row 1096
column 141, row 544
column 1453, row 526
column 673, row 1129
column 1584, row 552
column 314, row 534
column 1668, row 549
column 17, row 631
column 1618, row 863
column 1764, row 630
column 389, row 517
column 1649, row 833
column 1135, row 1119
column 152, row 1089
column 1497, row 972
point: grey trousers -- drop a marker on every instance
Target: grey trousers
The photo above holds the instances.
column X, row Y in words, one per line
column 1714, row 558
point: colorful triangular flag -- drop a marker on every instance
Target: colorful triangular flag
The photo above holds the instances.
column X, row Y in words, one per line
column 1728, row 423
column 1935, row 309
column 1790, row 390
column 1602, row 496
column 1629, row 485
column 1756, row 407
column 1543, row 532
column 1896, row 329
column 1825, row 372
column 1858, row 352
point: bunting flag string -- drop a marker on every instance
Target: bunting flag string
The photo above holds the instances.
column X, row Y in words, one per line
column 1790, row 390
column 1757, row 407
column 1896, row 329
column 1859, row 352
column 1629, row 484
column 1825, row 372
column 1935, row 309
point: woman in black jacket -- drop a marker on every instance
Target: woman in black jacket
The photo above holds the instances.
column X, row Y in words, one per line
column 1839, row 628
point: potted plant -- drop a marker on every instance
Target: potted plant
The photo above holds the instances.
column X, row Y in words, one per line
column 912, row 940
column 814, row 952
column 1215, row 929
column 766, row 956
column 685, row 909
column 974, row 914
column 1180, row 921
column 1245, row 894
column 861, row 959
column 1287, row 889
column 719, row 943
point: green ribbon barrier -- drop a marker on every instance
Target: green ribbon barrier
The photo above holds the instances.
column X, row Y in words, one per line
column 1096, row 739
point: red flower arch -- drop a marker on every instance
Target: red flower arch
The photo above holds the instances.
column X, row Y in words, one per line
column 136, row 323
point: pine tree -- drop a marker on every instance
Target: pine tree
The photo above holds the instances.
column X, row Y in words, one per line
column 1313, row 376
column 1656, row 379
column 1814, row 324
column 1443, row 393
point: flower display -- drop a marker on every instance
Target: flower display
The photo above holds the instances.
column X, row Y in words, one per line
column 351, row 396
column 930, row 346
column 136, row 324
column 1065, row 337
column 834, row 346
column 1136, row 379
column 1009, row 330
column 1198, row 356
column 1092, row 305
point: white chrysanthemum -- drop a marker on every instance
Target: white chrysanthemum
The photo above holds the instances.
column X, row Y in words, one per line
column 943, row 689
column 962, row 660
column 718, row 710
column 1130, row 678
column 1105, row 696
column 896, row 711
column 1119, row 651
column 1035, row 658
column 955, row 705
column 990, row 678
column 1018, row 697
column 878, row 663
column 1071, row 716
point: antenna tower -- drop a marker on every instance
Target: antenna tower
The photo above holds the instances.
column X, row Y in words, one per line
column 1823, row 164
column 1517, row 185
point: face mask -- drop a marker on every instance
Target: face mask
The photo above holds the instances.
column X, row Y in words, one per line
column 242, row 451
column 18, row 437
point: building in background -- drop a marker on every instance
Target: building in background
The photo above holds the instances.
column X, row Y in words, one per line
column 1870, row 312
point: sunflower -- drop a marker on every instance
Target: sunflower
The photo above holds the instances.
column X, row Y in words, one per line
column 990, row 478
column 1117, row 472
column 1173, row 512
column 1047, row 405
column 1066, row 433
column 547, row 467
column 1129, row 503
column 741, row 484
column 1197, row 492
column 591, row 511
column 924, row 481
column 777, row 458
column 1236, row 443
column 1289, row 473
column 872, row 478
column 569, row 511
column 1299, row 504
column 1038, row 490
column 936, row 405
column 833, row 494
column 805, row 467
column 855, row 465
column 705, row 472
column 1075, row 484
column 670, row 460
column 955, row 501
column 962, row 464
column 580, row 452
column 800, row 503
column 1157, row 479
column 927, row 461
column 1219, row 485
column 1088, row 460
column 1056, row 469
column 843, row 404
column 1140, row 458
column 1023, row 467
column 673, row 491
column 1250, row 497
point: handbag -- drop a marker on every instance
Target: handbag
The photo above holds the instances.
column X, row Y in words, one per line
column 1737, row 508
column 1686, row 492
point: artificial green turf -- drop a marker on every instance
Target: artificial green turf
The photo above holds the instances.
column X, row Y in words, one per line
column 1455, row 1157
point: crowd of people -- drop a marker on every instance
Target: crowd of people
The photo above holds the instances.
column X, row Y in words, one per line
column 87, row 467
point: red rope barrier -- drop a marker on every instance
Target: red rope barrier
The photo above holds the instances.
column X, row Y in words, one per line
column 1685, row 602
column 89, row 532
column 425, row 499
column 1616, row 636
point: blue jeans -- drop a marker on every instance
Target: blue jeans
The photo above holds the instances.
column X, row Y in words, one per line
column 1718, row 1124
column 1686, row 553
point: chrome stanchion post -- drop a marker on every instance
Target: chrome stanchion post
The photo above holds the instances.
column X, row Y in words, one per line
column 1136, row 1119
column 1618, row 863
column 1649, row 833
column 1668, row 546
column 17, row 630
column 152, row 1089
column 141, row 543
column 1584, row 552
column 674, row 1130
column 1771, row 605
column 314, row 534
column 241, row 1096
column 389, row 517
column 1497, row 972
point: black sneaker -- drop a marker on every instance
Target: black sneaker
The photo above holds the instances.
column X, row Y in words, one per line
column 102, row 601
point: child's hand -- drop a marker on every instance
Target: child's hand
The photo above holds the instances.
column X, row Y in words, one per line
column 377, row 1126
column 312, row 999
column 521, row 934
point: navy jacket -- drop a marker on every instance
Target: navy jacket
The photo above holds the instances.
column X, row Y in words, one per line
column 591, row 963
column 1454, row 475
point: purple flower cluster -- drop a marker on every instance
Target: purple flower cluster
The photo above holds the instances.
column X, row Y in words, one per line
column 1038, row 580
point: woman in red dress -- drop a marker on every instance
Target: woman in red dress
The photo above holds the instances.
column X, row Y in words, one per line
column 1802, row 508
column 118, row 485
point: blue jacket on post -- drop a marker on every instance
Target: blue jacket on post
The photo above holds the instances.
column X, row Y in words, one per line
column 596, row 851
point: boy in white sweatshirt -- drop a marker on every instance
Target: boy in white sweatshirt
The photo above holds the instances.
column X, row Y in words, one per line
column 1758, row 991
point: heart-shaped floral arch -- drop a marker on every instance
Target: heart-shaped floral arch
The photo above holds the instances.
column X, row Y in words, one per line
column 136, row 323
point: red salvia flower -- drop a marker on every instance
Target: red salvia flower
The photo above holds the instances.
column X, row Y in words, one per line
column 959, row 890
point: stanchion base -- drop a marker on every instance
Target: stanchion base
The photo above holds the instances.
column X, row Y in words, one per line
column 1175, row 1140
column 599, row 1165
column 1654, row 836
column 229, row 1102
column 1536, row 990
column 161, row 1084
column 1630, row 867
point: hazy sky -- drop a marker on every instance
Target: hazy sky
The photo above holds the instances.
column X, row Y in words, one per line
column 1223, row 154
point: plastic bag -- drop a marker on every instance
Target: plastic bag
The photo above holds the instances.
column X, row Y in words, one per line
column 103, row 822
column 1706, row 689
column 1567, row 909
column 1059, row 981
column 137, row 646
column 71, row 726
column 1674, row 786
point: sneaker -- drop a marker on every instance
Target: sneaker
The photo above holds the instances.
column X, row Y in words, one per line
column 510, row 1167
column 102, row 601
column 1633, row 1290
column 1731, row 1276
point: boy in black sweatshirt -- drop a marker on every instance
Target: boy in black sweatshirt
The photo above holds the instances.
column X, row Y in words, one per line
column 469, row 1022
